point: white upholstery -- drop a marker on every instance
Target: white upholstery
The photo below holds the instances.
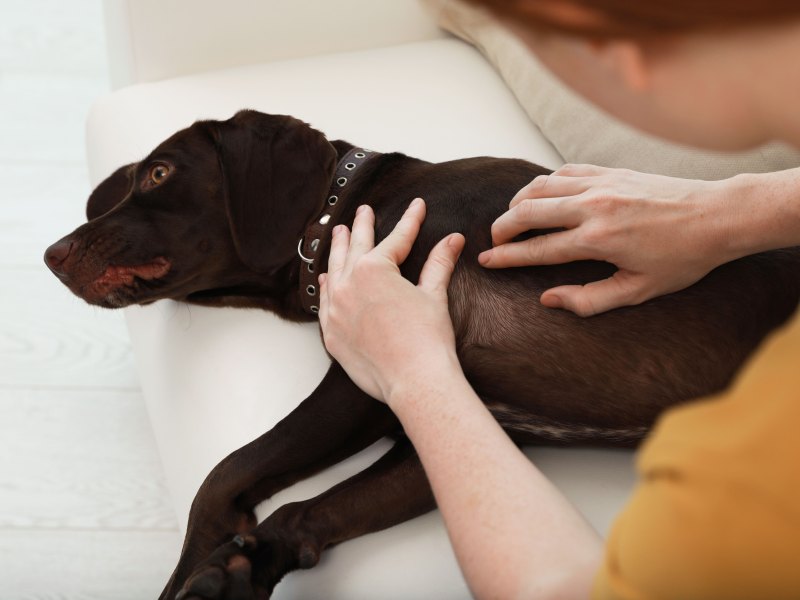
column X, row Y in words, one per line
column 213, row 379
column 151, row 40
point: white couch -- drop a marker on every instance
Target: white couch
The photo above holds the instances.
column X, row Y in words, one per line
column 378, row 73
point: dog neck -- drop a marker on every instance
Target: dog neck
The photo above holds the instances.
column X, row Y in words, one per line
column 317, row 236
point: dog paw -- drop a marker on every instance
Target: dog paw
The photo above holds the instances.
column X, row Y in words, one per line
column 246, row 568
column 225, row 575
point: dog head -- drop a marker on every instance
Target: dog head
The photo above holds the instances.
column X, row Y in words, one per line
column 218, row 205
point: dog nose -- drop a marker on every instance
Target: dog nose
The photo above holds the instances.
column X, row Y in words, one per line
column 56, row 254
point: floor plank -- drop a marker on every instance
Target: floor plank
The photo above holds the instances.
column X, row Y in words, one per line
column 50, row 338
column 85, row 565
column 98, row 469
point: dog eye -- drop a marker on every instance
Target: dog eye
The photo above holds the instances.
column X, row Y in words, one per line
column 158, row 174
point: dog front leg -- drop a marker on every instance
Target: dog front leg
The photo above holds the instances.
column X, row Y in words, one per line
column 334, row 422
column 393, row 490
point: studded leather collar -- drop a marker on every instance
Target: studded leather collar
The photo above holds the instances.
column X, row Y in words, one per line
column 318, row 233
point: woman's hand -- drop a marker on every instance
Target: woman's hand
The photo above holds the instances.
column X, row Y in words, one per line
column 385, row 331
column 662, row 233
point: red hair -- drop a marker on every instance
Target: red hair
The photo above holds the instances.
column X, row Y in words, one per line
column 640, row 18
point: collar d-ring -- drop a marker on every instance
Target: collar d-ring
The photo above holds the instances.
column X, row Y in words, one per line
column 309, row 261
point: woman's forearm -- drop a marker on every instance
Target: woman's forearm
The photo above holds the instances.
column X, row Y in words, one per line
column 514, row 533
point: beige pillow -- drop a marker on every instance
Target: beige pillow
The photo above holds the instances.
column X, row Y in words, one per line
column 581, row 132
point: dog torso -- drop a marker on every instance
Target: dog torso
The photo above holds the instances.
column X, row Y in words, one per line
column 551, row 375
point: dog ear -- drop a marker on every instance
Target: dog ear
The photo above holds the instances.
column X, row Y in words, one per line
column 276, row 172
column 111, row 191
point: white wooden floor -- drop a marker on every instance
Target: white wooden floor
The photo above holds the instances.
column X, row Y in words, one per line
column 83, row 509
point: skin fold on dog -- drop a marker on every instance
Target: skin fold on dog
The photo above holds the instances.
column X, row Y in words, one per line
column 213, row 216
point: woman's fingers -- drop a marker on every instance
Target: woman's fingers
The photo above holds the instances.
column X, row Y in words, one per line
column 362, row 237
column 397, row 245
column 657, row 230
column 552, row 186
column 323, row 300
column 348, row 247
column 533, row 214
column 550, row 249
column 582, row 170
column 340, row 244
column 437, row 270
column 381, row 327
column 621, row 289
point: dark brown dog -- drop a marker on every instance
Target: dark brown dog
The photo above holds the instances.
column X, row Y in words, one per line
column 214, row 215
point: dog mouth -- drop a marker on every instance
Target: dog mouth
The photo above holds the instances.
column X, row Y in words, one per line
column 117, row 285
column 116, row 275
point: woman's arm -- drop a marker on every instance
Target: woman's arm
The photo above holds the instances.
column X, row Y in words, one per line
column 663, row 233
column 514, row 534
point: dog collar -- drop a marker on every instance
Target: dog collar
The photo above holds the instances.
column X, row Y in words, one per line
column 318, row 234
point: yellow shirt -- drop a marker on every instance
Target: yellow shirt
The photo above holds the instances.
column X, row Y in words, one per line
column 716, row 513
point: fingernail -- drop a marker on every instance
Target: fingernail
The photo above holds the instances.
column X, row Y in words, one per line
column 416, row 202
column 361, row 209
column 337, row 230
column 484, row 257
column 322, row 278
column 555, row 302
column 452, row 241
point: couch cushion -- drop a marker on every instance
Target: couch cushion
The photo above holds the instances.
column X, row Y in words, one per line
column 214, row 379
column 436, row 100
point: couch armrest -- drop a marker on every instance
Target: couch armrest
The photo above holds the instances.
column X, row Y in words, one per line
column 150, row 40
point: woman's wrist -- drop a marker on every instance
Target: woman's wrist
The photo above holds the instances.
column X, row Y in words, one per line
column 432, row 371
column 762, row 212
